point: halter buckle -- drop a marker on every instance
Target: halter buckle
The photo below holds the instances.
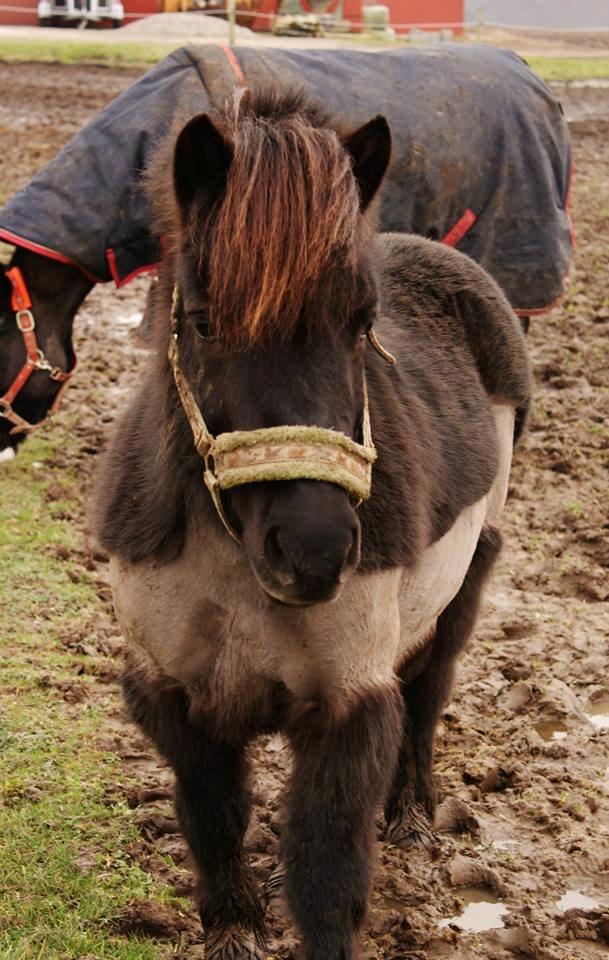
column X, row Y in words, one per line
column 38, row 359
column 25, row 320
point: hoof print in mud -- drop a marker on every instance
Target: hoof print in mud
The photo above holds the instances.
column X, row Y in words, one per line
column 233, row 944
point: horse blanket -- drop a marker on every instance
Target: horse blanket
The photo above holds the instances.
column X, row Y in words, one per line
column 481, row 157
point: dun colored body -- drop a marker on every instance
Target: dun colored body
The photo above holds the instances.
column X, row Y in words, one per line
column 334, row 624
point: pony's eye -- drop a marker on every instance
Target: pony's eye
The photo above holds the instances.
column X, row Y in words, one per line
column 201, row 324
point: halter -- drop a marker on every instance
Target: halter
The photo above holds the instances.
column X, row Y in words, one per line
column 21, row 303
column 274, row 453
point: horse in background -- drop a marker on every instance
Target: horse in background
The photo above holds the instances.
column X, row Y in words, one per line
column 352, row 399
column 39, row 298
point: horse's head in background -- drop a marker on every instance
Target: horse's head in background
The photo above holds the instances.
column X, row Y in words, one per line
column 38, row 300
column 272, row 258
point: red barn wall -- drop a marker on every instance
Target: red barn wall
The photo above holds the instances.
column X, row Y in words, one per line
column 25, row 16
column 432, row 13
column 141, row 8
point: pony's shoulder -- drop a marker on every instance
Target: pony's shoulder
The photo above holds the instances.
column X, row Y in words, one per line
column 465, row 302
column 413, row 259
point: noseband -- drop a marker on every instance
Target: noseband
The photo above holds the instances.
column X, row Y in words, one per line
column 21, row 303
column 273, row 453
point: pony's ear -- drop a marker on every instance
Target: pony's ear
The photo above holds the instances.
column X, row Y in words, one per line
column 201, row 160
column 370, row 149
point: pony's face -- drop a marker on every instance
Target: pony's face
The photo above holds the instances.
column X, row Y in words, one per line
column 302, row 537
column 286, row 346
column 56, row 291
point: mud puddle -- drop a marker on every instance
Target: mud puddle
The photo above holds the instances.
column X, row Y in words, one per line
column 483, row 911
column 576, row 900
column 598, row 713
column 552, row 730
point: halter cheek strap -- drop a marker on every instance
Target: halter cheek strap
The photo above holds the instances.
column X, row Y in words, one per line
column 35, row 358
column 273, row 453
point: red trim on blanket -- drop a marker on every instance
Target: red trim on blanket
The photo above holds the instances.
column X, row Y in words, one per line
column 123, row 281
column 232, row 59
column 456, row 233
column 537, row 311
column 17, row 241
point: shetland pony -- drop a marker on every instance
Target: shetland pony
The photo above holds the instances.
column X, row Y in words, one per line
column 334, row 622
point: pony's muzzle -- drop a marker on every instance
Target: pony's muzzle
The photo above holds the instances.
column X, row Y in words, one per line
column 307, row 559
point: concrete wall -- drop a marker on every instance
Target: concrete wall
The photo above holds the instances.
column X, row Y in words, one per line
column 542, row 13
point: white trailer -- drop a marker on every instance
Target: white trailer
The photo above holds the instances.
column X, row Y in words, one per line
column 84, row 11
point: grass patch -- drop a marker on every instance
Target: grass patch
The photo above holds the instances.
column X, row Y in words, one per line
column 106, row 53
column 570, row 68
column 113, row 52
column 65, row 873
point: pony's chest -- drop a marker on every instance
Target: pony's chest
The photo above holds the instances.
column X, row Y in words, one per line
column 204, row 621
column 208, row 625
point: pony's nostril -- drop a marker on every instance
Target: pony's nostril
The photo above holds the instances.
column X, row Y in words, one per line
column 276, row 556
column 353, row 554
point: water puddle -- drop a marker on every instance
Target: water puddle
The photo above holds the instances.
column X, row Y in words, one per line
column 575, row 899
column 598, row 713
column 128, row 320
column 505, row 844
column 483, row 911
column 552, row 729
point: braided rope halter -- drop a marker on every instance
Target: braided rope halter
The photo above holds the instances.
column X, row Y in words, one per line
column 275, row 453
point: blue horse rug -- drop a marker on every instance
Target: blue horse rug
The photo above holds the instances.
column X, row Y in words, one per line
column 481, row 157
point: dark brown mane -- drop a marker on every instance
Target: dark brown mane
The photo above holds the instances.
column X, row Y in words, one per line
column 287, row 226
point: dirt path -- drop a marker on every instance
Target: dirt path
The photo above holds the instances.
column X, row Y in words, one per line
column 523, row 749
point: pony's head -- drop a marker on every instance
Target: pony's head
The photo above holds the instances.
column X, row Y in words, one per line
column 272, row 257
column 38, row 300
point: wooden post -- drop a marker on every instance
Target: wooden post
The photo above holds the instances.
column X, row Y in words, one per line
column 480, row 24
column 231, row 6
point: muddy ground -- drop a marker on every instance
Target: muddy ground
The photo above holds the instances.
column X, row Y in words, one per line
column 523, row 748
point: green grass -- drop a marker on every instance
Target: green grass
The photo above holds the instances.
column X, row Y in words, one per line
column 127, row 53
column 570, row 68
column 107, row 53
column 65, row 872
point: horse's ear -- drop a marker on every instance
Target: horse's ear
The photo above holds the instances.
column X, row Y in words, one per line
column 201, row 160
column 370, row 149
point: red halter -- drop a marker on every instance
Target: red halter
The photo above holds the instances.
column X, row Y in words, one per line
column 35, row 359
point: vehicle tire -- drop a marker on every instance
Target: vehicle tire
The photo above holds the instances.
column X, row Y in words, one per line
column 44, row 22
column 116, row 24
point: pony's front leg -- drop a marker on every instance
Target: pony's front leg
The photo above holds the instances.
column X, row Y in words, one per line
column 343, row 764
column 213, row 808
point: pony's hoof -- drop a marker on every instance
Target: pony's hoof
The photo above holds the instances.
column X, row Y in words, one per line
column 411, row 827
column 235, row 943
